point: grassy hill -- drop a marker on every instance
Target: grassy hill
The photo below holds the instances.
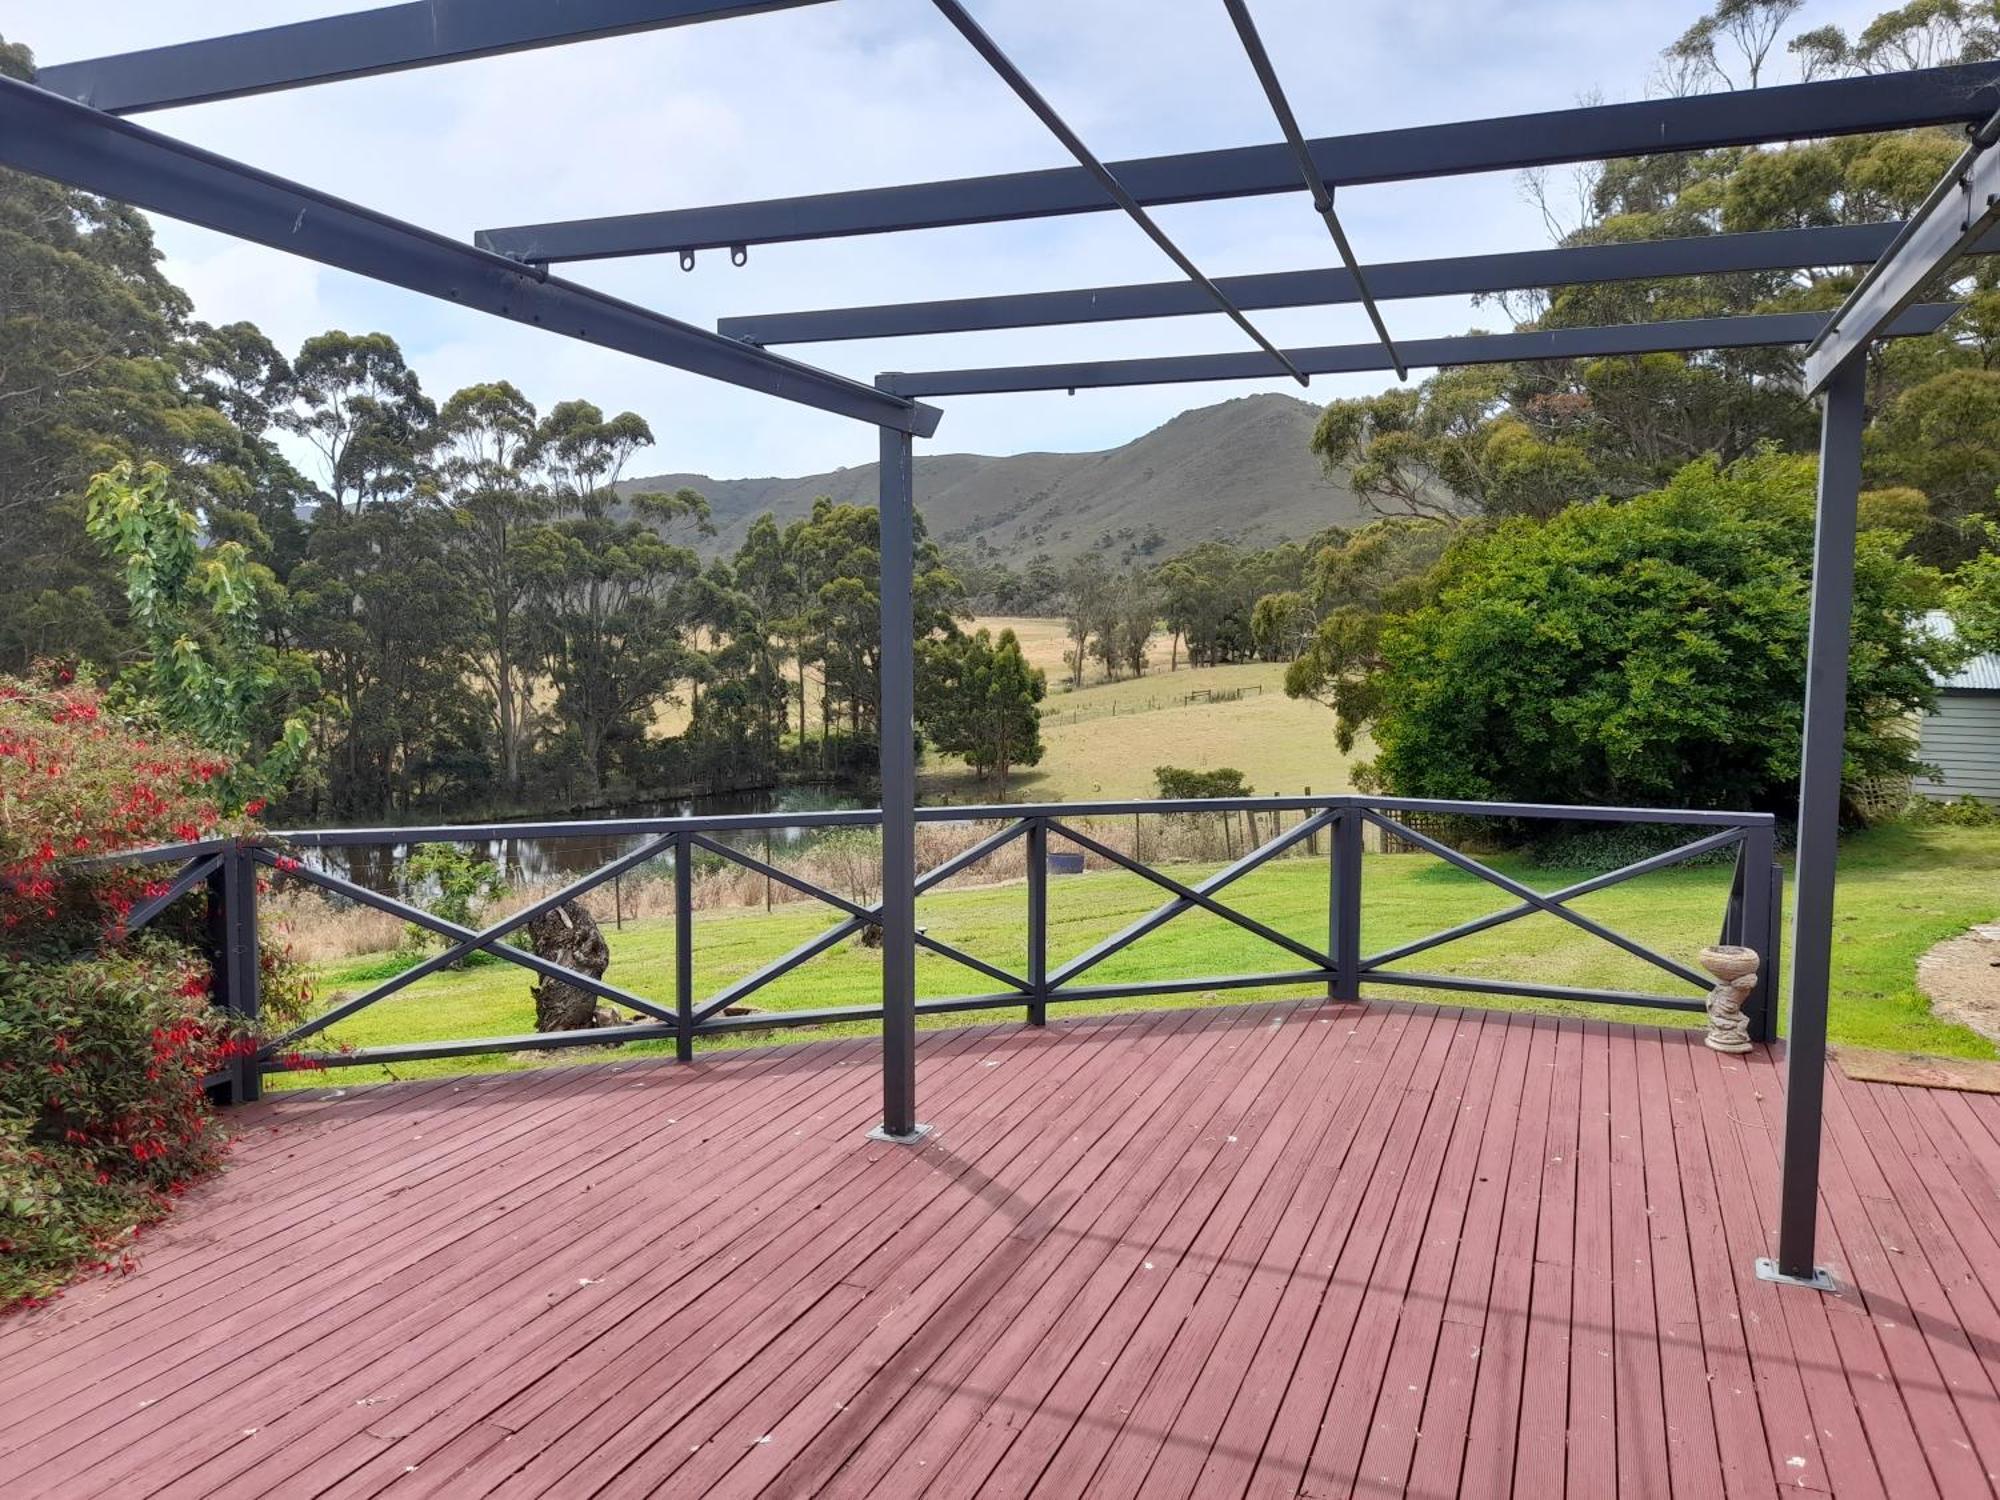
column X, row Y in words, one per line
column 1102, row 740
column 1239, row 470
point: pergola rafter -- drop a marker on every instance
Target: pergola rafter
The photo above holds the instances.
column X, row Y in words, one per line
column 48, row 131
column 1390, row 281
column 363, row 44
column 1510, row 143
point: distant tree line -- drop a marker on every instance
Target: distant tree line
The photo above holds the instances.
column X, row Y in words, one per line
column 452, row 604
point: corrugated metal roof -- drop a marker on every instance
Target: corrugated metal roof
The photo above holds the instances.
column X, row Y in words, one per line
column 1980, row 675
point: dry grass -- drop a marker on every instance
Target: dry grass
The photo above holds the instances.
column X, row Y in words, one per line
column 1104, row 741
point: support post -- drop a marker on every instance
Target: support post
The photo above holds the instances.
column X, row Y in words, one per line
column 897, row 522
column 232, row 935
column 1821, row 766
column 1344, row 906
column 1038, row 920
column 683, row 949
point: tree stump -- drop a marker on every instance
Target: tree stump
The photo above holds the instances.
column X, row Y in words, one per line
column 569, row 935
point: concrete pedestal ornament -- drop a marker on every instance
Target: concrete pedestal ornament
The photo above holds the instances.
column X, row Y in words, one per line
column 1736, row 972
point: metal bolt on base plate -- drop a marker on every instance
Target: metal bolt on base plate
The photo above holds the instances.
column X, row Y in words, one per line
column 1821, row 1279
column 880, row 1133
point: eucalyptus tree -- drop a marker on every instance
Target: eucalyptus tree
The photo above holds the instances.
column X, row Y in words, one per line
column 615, row 603
column 486, row 439
column 362, row 409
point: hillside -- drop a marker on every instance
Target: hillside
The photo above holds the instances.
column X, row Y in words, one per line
column 1239, row 470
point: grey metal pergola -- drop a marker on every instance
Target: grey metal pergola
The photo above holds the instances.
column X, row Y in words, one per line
column 68, row 126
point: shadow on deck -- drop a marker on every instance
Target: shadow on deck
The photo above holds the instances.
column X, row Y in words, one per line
column 1272, row 1250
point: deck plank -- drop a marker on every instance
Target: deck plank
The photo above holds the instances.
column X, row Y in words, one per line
column 1279, row 1249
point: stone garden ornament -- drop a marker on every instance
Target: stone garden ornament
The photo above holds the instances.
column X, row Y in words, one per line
column 1735, row 970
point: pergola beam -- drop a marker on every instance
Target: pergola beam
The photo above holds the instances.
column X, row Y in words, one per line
column 1322, row 195
column 1464, row 275
column 1024, row 90
column 60, row 139
column 1830, row 107
column 1957, row 215
column 1752, row 331
column 391, row 39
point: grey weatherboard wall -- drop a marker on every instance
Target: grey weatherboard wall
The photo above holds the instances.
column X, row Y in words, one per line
column 1962, row 739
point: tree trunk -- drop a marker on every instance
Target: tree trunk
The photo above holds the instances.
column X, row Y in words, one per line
column 569, row 936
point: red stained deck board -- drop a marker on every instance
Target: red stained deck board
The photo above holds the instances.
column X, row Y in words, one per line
column 1039, row 1281
column 1453, row 1252
column 1165, row 1422
column 673, row 1263
column 418, row 1297
column 251, row 1308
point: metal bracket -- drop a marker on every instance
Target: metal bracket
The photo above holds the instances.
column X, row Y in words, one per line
column 1821, row 1279
column 881, row 1133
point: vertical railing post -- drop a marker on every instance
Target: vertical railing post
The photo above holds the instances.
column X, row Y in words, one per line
column 896, row 720
column 1822, row 764
column 1038, row 920
column 1344, row 905
column 1732, row 909
column 683, row 949
column 232, row 938
column 1756, row 924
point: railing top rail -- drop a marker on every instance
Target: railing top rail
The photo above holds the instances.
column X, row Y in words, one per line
column 157, row 854
column 1000, row 812
column 864, row 817
column 1694, row 817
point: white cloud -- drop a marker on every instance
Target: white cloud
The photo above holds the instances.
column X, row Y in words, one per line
column 865, row 93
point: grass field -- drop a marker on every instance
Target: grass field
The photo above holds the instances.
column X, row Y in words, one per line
column 1104, row 739
column 1901, row 890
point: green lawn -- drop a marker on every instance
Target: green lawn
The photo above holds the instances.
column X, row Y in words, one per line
column 1901, row 890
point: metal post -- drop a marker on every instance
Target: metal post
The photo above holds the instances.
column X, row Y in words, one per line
column 1343, row 938
column 1757, row 925
column 1038, row 920
column 897, row 521
column 232, row 933
column 683, row 949
column 1819, row 822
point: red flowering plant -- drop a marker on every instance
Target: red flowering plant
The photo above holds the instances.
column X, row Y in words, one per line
column 105, row 1036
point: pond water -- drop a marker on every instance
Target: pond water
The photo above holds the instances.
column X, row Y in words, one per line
column 540, row 860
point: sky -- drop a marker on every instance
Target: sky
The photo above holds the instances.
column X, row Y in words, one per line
column 868, row 93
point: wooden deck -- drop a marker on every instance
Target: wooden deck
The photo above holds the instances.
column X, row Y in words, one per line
column 1269, row 1250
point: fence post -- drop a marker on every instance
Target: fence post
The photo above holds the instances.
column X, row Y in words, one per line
column 683, row 949
column 1763, row 929
column 1344, row 906
column 1038, row 920
column 232, row 936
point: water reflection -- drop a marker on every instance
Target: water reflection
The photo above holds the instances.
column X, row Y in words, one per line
column 536, row 861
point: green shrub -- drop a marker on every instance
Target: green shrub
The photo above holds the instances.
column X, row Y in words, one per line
column 104, row 1038
column 1612, row 846
column 102, row 1116
column 1648, row 651
column 1177, row 783
column 452, row 882
column 1961, row 812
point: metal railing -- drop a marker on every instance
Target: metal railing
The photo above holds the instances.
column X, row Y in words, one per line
column 228, row 874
